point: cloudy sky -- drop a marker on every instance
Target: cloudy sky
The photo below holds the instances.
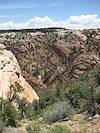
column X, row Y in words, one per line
column 74, row 14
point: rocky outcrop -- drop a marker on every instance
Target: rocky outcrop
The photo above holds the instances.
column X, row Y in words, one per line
column 10, row 73
column 47, row 57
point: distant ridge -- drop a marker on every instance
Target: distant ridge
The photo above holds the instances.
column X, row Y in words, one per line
column 33, row 30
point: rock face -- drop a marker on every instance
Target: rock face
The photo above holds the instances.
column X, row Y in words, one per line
column 10, row 73
column 47, row 57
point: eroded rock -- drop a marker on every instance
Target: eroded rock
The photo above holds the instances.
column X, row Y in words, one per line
column 38, row 53
column 10, row 73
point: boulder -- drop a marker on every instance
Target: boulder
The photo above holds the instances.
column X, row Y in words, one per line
column 81, row 67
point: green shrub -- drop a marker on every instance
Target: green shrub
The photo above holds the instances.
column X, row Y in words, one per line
column 61, row 91
column 10, row 116
column 1, row 126
column 76, row 91
column 57, row 111
column 81, row 91
column 97, row 95
column 60, row 129
column 14, row 90
column 75, row 94
column 26, row 109
column 97, row 73
column 35, row 127
column 46, row 98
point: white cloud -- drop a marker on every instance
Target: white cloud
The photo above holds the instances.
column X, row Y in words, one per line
column 84, row 21
column 74, row 22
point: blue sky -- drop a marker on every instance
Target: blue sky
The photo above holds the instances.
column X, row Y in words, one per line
column 21, row 11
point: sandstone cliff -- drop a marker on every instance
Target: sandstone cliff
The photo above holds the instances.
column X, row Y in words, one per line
column 10, row 73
